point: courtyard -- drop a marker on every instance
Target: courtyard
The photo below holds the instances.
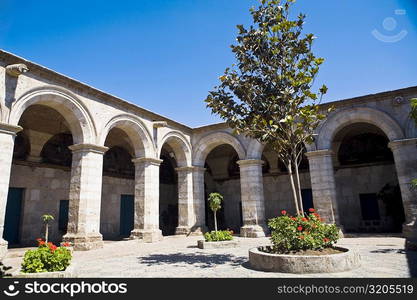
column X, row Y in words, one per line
column 178, row 256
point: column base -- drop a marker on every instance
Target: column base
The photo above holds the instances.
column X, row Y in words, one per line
column 84, row 242
column 3, row 248
column 410, row 234
column 253, row 231
column 148, row 236
column 190, row 231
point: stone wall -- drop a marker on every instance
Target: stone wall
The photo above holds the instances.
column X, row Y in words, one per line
column 350, row 182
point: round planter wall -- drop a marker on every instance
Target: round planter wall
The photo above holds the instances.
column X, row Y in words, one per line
column 300, row 264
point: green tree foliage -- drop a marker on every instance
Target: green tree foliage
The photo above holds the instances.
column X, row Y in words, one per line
column 215, row 203
column 46, row 220
column 268, row 94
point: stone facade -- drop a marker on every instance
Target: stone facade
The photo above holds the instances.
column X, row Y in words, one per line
column 255, row 185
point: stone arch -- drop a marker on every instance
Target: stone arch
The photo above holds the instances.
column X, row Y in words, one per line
column 180, row 145
column 345, row 117
column 70, row 107
column 137, row 132
column 211, row 141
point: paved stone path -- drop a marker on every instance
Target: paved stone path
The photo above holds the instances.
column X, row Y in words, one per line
column 179, row 257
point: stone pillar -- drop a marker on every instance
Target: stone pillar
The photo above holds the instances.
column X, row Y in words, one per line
column 146, row 225
column 7, row 135
column 186, row 216
column 323, row 185
column 405, row 157
column 252, row 195
column 85, row 197
column 199, row 199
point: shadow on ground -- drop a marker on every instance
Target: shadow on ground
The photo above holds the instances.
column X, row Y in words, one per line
column 199, row 259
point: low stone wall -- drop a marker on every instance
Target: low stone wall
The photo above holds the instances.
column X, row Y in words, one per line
column 68, row 273
column 301, row 264
column 202, row 244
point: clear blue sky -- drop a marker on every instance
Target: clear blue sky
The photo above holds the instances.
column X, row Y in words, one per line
column 165, row 55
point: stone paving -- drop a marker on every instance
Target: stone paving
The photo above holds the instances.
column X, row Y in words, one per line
column 179, row 257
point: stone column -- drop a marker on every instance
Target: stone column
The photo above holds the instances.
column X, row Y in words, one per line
column 323, row 185
column 146, row 225
column 405, row 157
column 7, row 135
column 252, row 195
column 199, row 199
column 85, row 197
column 186, row 216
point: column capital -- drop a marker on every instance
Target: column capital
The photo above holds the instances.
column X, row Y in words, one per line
column 187, row 169
column 319, row 153
column 148, row 160
column 250, row 162
column 399, row 143
column 9, row 129
column 88, row 148
column 197, row 169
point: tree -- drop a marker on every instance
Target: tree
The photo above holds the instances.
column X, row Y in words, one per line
column 268, row 94
column 215, row 203
column 46, row 219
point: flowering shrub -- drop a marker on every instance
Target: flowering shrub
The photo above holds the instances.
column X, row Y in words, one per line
column 301, row 232
column 46, row 258
column 217, row 236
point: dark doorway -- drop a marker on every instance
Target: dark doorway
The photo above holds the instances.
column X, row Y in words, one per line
column 13, row 212
column 369, row 207
column 307, row 197
column 63, row 216
column 127, row 214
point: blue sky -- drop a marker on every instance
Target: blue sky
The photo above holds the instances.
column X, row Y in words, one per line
column 165, row 55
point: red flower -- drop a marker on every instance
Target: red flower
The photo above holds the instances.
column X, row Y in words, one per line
column 283, row 212
column 53, row 248
column 66, row 244
column 311, row 210
column 299, row 228
column 39, row 239
column 326, row 240
column 292, row 218
column 41, row 243
column 304, row 219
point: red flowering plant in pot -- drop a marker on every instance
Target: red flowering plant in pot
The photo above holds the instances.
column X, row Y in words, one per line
column 291, row 234
column 46, row 258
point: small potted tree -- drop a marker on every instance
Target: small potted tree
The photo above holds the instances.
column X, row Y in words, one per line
column 303, row 244
column 48, row 260
column 217, row 238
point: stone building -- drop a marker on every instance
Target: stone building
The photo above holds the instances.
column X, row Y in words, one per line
column 108, row 169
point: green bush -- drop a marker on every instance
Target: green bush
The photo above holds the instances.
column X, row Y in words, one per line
column 46, row 258
column 301, row 233
column 217, row 236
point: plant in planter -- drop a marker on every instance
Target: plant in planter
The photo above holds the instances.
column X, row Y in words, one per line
column 301, row 233
column 303, row 244
column 215, row 202
column 46, row 258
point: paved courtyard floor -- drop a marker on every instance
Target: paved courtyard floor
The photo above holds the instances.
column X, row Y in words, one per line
column 178, row 256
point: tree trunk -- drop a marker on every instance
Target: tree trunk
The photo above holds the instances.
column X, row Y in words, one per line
column 215, row 221
column 294, row 192
column 46, row 233
column 300, row 197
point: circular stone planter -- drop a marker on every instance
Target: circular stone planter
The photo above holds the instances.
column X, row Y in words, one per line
column 300, row 264
column 202, row 244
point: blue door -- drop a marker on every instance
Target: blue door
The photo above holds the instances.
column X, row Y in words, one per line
column 13, row 213
column 127, row 214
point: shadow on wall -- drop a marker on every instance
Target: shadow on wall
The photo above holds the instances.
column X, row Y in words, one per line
column 198, row 259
